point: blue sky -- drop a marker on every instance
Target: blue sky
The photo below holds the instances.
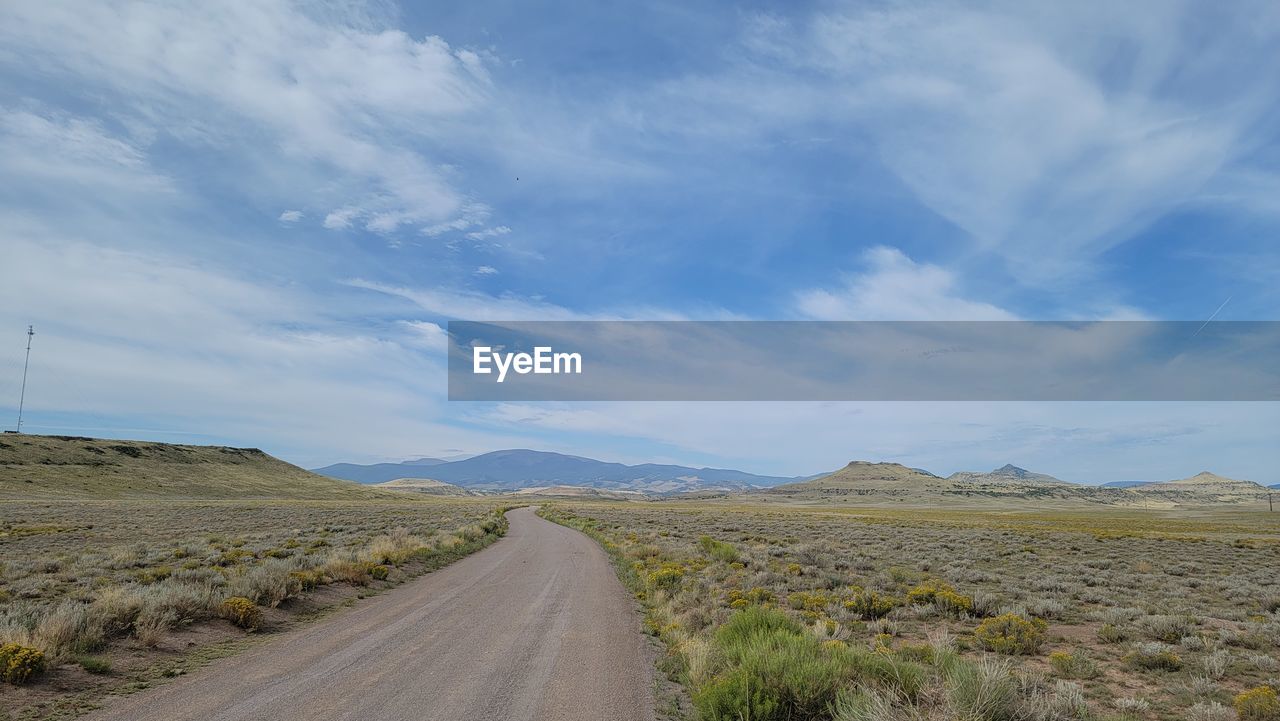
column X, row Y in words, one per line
column 245, row 223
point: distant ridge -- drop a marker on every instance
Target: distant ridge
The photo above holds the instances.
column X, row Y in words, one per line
column 866, row 478
column 428, row 486
column 1126, row 484
column 1204, row 487
column 94, row 468
column 514, row 469
column 1006, row 474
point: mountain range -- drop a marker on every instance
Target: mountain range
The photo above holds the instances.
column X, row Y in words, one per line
column 527, row 470
column 516, row 469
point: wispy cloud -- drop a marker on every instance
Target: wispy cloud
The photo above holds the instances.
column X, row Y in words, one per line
column 335, row 90
column 893, row 287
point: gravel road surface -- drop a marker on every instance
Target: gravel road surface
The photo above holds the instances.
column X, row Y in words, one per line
column 535, row 626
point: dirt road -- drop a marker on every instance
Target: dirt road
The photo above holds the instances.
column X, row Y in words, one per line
column 536, row 626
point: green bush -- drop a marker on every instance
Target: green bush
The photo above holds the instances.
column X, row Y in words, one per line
column 768, row 668
column 1258, row 704
column 773, row 671
column 1071, row 665
column 95, row 664
column 242, row 612
column 1154, row 656
column 718, row 550
column 941, row 594
column 1011, row 634
column 1111, row 633
column 379, row 572
column 869, row 604
column 667, row 577
column 981, row 691
column 19, row 663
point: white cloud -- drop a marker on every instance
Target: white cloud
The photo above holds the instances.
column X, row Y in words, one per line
column 57, row 147
column 477, row 306
column 489, row 233
column 340, row 219
column 893, row 287
column 128, row 335
column 290, row 216
column 1049, row 135
column 486, row 270
column 304, row 87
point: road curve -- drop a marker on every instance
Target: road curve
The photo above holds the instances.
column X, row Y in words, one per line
column 535, row 626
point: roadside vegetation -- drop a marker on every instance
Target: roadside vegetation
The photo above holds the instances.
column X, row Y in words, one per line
column 806, row 614
column 94, row 592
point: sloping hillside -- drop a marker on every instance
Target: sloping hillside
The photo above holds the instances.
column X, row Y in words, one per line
column 1006, row 475
column 1204, row 487
column 863, row 481
column 74, row 467
column 428, row 486
column 866, row 478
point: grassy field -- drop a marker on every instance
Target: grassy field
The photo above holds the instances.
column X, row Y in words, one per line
column 877, row 614
column 103, row 597
column 93, row 468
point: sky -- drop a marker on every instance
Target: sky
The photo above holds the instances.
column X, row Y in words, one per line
column 247, row 223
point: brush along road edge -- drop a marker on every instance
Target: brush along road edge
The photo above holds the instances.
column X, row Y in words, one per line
column 536, row 626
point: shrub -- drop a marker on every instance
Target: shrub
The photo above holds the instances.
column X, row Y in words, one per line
column 95, row 664
column 153, row 625
column 242, row 612
column 1011, row 634
column 69, row 628
column 19, row 663
column 772, row 670
column 379, row 572
column 1070, row 665
column 1168, row 629
column 306, row 580
column 399, row 546
column 1154, row 656
column 268, row 584
column 941, row 594
column 1111, row 633
column 667, row 577
column 1258, row 704
column 986, row 690
column 718, row 550
column 352, row 572
column 870, row 605
column 1209, row 711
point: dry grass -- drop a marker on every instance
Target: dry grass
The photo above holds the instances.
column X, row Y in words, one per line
column 108, row 580
column 1143, row 614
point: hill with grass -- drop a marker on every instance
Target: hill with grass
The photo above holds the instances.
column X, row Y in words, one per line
column 71, row 467
column 864, row 478
column 1203, row 488
column 428, row 486
column 1006, row 475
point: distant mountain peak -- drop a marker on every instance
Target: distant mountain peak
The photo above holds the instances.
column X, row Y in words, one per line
column 1006, row 475
column 516, row 468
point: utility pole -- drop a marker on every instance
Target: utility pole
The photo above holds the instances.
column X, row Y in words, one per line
column 22, row 398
